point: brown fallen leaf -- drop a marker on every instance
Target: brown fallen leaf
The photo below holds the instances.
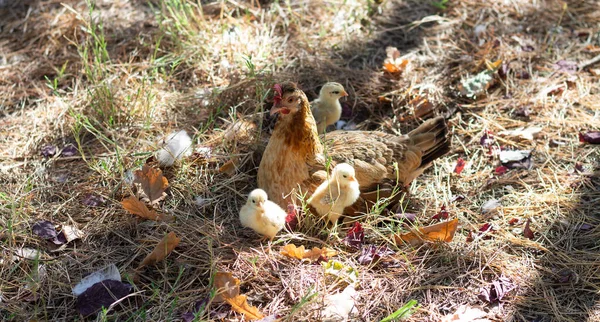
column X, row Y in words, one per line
column 422, row 106
column 240, row 304
column 152, row 181
column 226, row 286
column 393, row 63
column 162, row 250
column 228, row 167
column 292, row 251
column 443, row 231
column 136, row 207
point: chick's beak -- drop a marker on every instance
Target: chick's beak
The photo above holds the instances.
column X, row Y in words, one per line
column 351, row 178
column 344, row 93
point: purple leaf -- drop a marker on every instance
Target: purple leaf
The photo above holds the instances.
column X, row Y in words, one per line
column 48, row 151
column 372, row 254
column 198, row 307
column 504, row 68
column 92, row 200
column 522, row 111
column 566, row 66
column 592, row 137
column 101, row 294
column 527, row 48
column 495, row 292
column 586, row 227
column 486, row 139
column 46, row 230
column 407, row 216
column 355, row 236
column 69, row 151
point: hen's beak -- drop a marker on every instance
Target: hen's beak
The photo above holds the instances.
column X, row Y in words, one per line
column 277, row 109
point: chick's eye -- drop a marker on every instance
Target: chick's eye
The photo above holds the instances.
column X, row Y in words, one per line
column 345, row 176
column 335, row 92
column 253, row 201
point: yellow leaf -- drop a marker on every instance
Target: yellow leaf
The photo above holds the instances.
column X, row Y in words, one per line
column 443, row 231
column 390, row 68
column 162, row 250
column 240, row 304
column 493, row 66
column 226, row 286
column 291, row 250
column 136, row 207
column 152, row 181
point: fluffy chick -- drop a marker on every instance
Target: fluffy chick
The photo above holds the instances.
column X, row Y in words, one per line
column 176, row 146
column 262, row 215
column 327, row 108
column 338, row 192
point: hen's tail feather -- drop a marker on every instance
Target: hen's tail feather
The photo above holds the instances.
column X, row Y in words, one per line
column 432, row 137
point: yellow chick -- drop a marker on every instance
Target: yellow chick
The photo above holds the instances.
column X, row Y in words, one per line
column 262, row 215
column 327, row 108
column 335, row 194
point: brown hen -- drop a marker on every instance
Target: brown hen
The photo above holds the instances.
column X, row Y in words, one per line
column 295, row 159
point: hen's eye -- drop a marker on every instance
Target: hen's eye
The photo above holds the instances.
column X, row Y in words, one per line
column 290, row 99
column 335, row 92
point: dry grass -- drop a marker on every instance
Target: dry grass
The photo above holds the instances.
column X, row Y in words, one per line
column 113, row 77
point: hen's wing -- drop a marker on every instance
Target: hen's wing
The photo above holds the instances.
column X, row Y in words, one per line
column 372, row 153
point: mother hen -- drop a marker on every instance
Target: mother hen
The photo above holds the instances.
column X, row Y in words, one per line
column 295, row 159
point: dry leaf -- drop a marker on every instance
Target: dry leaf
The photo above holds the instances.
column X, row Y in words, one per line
column 443, row 231
column 338, row 306
column 228, row 167
column 290, row 250
column 422, row 106
column 226, row 285
column 136, row 207
column 466, row 313
column 153, row 182
column 162, row 250
column 392, row 63
column 525, row 133
column 240, row 304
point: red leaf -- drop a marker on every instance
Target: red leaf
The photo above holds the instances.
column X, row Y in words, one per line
column 500, row 170
column 485, row 227
column 292, row 218
column 460, row 165
column 527, row 232
column 442, row 215
column 513, row 221
column 592, row 137
column 355, row 236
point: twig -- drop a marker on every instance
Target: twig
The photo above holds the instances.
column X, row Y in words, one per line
column 589, row 62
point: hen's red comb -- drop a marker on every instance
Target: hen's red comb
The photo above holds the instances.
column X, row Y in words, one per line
column 278, row 93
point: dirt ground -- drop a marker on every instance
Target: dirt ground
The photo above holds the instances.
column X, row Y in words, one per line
column 87, row 89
